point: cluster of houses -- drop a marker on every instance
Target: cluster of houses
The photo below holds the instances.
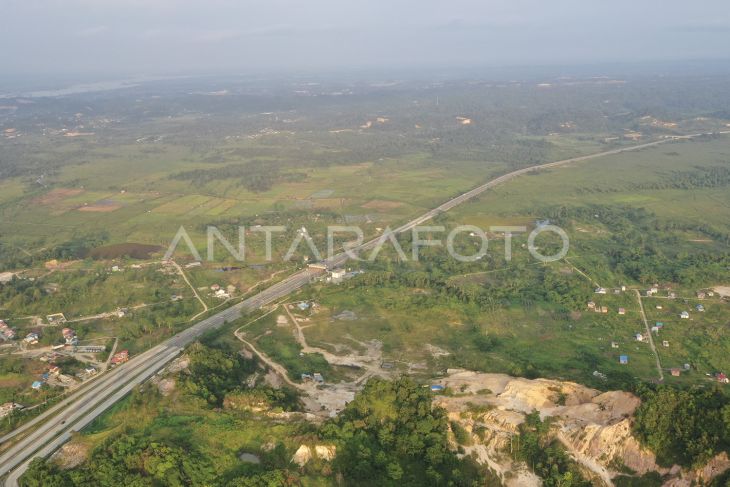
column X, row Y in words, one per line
column 603, row 309
column 6, row 333
column 315, row 377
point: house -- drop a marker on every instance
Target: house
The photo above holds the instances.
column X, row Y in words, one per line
column 120, row 357
column 6, row 333
column 8, row 408
column 676, row 372
column 623, row 359
column 220, row 293
column 665, row 343
column 600, row 290
column 31, row 338
column 591, row 305
column 700, row 308
column 56, row 319
column 684, row 315
column 338, row 275
column 37, row 385
column 639, row 337
column 69, row 336
column 317, row 377
column 622, row 311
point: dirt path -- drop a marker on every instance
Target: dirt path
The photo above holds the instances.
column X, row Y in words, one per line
column 592, row 281
column 111, row 354
column 651, row 339
column 195, row 291
column 369, row 363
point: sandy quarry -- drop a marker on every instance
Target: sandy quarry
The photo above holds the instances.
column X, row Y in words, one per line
column 594, row 427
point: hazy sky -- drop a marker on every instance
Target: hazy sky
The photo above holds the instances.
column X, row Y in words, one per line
column 166, row 36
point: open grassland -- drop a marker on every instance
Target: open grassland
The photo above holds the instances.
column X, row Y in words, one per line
column 613, row 180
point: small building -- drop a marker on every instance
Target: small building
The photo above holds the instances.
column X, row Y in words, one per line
column 655, row 329
column 639, row 337
column 684, row 315
column 665, row 343
column 701, row 295
column 37, row 385
column 614, row 345
column 622, row 311
column 307, row 378
column 600, row 290
column 31, row 338
column 675, row 372
column 90, row 370
column 659, row 306
column 303, row 306
column 116, row 268
column 436, row 387
column 623, row 288
column 338, row 275
column 700, row 308
column 120, row 357
column 623, row 359
column 722, row 378
column 54, row 370
column 659, row 324
column 215, row 287
column 56, row 319
column 687, row 366
column 591, row 305
column 604, row 309
column 672, row 295
column 6, row 333
column 317, row 378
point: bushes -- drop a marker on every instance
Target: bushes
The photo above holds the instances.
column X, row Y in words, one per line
column 687, row 427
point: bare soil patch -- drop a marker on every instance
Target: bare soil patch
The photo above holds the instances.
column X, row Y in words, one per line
column 57, row 195
column 382, row 205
